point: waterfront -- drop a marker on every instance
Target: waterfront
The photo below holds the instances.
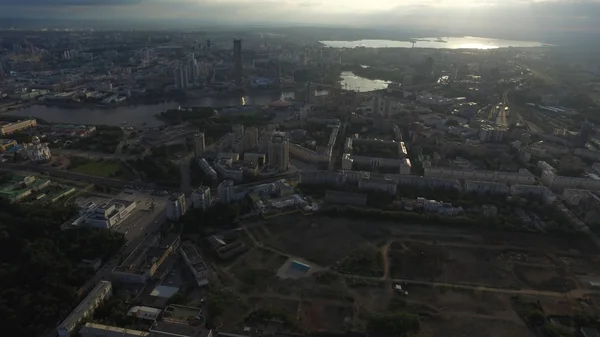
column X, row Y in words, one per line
column 465, row 42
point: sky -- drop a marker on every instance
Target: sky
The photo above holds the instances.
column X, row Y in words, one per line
column 448, row 15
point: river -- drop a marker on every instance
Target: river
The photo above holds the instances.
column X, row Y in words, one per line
column 465, row 42
column 137, row 115
column 140, row 115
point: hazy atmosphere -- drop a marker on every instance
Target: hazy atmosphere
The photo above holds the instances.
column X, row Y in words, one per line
column 533, row 16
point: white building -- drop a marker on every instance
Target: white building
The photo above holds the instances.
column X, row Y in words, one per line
column 226, row 193
column 108, row 214
column 199, row 145
column 143, row 312
column 201, row 198
column 37, row 151
column 279, row 152
column 176, row 206
column 101, row 291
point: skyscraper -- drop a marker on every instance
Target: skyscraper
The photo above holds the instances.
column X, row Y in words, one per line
column 181, row 77
column 279, row 152
column 237, row 61
column 199, row 145
column 192, row 69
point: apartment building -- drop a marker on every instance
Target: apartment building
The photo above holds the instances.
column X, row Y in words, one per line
column 521, row 177
column 101, row 291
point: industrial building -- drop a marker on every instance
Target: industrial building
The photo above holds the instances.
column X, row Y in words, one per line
column 101, row 330
column 101, row 291
column 144, row 262
column 180, row 321
column 176, row 206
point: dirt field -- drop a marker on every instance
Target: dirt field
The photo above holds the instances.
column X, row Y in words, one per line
column 437, row 256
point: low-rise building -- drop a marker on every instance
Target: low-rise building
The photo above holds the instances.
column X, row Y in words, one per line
column 539, row 191
column 180, row 321
column 6, row 144
column 142, row 264
column 257, row 158
column 489, row 211
column 101, row 330
column 142, row 312
column 108, row 214
column 20, row 187
column 85, row 308
column 10, row 128
column 195, row 263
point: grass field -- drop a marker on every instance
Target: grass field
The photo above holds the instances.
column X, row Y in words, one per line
column 104, row 168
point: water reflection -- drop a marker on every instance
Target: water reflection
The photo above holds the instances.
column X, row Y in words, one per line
column 465, row 42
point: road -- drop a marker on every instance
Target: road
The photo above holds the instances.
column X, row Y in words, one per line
column 75, row 176
column 92, row 155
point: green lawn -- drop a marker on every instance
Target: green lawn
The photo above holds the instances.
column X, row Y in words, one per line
column 105, row 168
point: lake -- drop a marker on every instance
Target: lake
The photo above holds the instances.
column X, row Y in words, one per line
column 356, row 83
column 465, row 42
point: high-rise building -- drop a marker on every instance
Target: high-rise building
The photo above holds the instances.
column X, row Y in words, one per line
column 201, row 198
column 208, row 44
column 279, row 152
column 180, row 77
column 237, row 61
column 199, row 145
column 192, row 69
column 225, row 190
column 176, row 206
column 584, row 134
column 309, row 94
